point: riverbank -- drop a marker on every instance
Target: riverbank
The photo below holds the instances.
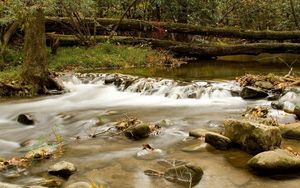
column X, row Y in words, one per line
column 79, row 59
column 103, row 56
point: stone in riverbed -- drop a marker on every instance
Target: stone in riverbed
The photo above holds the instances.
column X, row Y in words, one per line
column 184, row 174
column 79, row 185
column 249, row 92
column 277, row 161
column 297, row 111
column 252, row 137
column 218, row 141
column 199, row 147
column 198, row 132
column 290, row 131
column 138, row 132
column 26, row 119
column 62, row 169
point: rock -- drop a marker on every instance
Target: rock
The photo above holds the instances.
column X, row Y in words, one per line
column 249, row 92
column 196, row 147
column 8, row 185
column 26, row 119
column 184, row 174
column 274, row 97
column 288, row 107
column 62, row 169
column 218, row 141
column 290, row 131
column 181, row 173
column 277, row 105
column 198, row 132
column 51, row 182
column 164, row 123
column 264, row 85
column 277, row 161
column 79, row 185
column 138, row 132
column 252, row 137
column 192, row 95
column 109, row 79
column 297, row 111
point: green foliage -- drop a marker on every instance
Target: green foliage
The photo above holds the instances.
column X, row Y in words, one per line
column 103, row 56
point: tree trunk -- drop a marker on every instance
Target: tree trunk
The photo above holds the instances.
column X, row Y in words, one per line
column 35, row 67
column 195, row 50
column 105, row 24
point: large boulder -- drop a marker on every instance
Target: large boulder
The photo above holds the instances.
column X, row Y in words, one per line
column 249, row 92
column 252, row 137
column 290, row 131
column 277, row 161
column 218, row 141
column 62, row 169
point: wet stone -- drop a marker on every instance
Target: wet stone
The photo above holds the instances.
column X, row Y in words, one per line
column 253, row 93
column 26, row 119
column 218, row 141
column 62, row 169
column 138, row 132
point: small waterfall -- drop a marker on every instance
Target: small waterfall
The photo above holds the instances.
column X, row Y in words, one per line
column 159, row 86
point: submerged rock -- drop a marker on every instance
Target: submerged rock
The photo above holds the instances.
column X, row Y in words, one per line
column 138, row 132
column 277, row 161
column 252, row 137
column 197, row 147
column 218, row 141
column 290, row 131
column 184, row 174
column 26, row 119
column 62, row 169
column 253, row 93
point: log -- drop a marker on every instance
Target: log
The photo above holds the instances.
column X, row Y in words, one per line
column 194, row 50
column 58, row 24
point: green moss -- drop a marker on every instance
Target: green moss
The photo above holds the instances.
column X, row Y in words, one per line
column 103, row 56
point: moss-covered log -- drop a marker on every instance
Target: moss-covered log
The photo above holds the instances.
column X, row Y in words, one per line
column 61, row 24
column 194, row 50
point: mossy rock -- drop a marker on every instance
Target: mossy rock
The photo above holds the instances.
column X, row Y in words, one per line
column 138, row 132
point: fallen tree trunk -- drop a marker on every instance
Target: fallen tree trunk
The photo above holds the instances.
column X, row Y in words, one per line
column 194, row 50
column 56, row 24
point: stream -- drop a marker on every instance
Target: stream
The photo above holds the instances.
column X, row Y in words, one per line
column 200, row 97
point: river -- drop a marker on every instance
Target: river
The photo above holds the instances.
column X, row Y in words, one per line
column 112, row 160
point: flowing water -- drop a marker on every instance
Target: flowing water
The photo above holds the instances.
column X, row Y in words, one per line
column 112, row 160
